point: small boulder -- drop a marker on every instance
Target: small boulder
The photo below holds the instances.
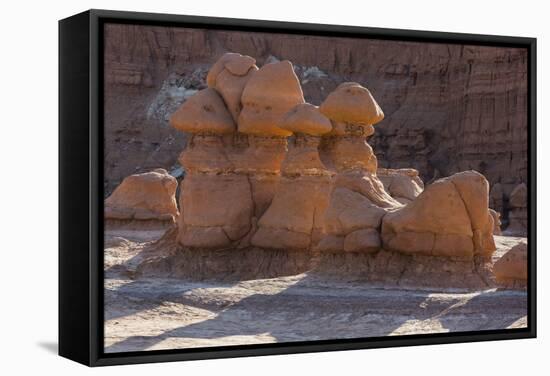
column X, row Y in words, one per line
column 512, row 265
column 146, row 196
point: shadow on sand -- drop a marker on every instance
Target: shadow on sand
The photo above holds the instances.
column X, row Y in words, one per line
column 316, row 309
column 308, row 306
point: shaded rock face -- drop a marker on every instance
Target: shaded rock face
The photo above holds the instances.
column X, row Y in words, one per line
column 447, row 108
column 295, row 216
column 351, row 223
column 518, row 216
column 496, row 198
column 496, row 222
column 149, row 196
column 216, row 209
column 402, row 184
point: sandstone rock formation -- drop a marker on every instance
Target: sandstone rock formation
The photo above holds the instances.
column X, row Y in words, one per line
column 450, row 218
column 518, row 216
column 511, row 268
column 351, row 223
column 292, row 181
column 352, row 104
column 144, row 197
column 233, row 175
column 294, row 218
column 353, row 112
column 270, row 93
column 229, row 76
column 203, row 113
column 216, row 209
column 447, row 108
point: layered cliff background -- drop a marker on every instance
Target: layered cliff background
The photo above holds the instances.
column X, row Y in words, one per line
column 448, row 107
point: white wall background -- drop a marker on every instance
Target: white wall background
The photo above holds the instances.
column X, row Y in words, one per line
column 28, row 187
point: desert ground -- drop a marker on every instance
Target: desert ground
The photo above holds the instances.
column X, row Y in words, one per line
column 153, row 313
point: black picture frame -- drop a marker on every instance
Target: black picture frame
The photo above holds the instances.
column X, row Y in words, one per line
column 81, row 187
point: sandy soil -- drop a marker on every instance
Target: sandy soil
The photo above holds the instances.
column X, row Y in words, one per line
column 158, row 313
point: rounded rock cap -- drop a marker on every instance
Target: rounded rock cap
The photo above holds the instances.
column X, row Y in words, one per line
column 306, row 118
column 352, row 103
column 270, row 93
column 235, row 63
column 204, row 112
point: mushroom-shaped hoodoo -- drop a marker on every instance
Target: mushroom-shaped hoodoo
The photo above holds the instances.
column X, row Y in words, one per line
column 308, row 124
column 352, row 104
column 205, row 116
column 353, row 111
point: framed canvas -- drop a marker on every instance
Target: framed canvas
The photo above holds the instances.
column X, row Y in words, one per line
column 236, row 187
